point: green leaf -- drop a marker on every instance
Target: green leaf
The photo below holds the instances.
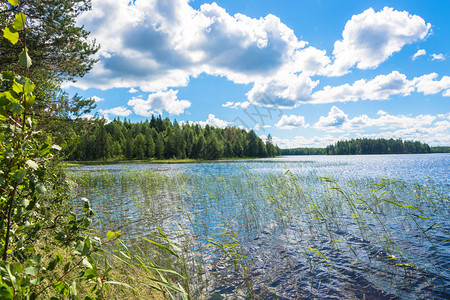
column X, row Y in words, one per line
column 90, row 274
column 9, row 153
column 15, row 108
column 59, row 286
column 12, row 36
column 4, row 98
column 40, row 188
column 36, row 259
column 19, row 23
column 13, row 2
column 110, row 235
column 29, row 87
column 6, row 292
column 24, row 58
column 86, row 263
column 32, row 165
column 52, row 264
column 33, row 271
column 56, row 147
column 19, row 175
column 25, row 203
column 73, row 289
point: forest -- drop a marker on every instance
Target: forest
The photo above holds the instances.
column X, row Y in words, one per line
column 163, row 139
column 377, row 146
column 367, row 146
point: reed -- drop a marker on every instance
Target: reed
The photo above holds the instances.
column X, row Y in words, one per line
column 273, row 234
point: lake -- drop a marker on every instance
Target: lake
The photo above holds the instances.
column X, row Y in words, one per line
column 291, row 227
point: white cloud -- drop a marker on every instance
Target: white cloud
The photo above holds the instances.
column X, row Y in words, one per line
column 436, row 135
column 158, row 102
column 291, row 122
column 132, row 91
column 310, row 61
column 301, row 141
column 236, row 105
column 379, row 88
column 338, row 121
column 159, row 44
column 446, row 93
column 162, row 43
column 216, row 122
column 438, row 56
column 97, row 99
column 335, row 121
column 419, row 52
column 372, row 37
column 211, row 121
column 283, row 92
column 427, row 85
column 116, row 111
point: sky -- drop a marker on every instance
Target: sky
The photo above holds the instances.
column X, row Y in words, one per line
column 309, row 72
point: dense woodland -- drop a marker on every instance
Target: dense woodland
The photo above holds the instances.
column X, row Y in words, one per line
column 160, row 138
column 376, row 146
column 303, row 151
column 367, row 146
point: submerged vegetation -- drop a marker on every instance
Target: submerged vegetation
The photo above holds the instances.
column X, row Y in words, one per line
column 274, row 235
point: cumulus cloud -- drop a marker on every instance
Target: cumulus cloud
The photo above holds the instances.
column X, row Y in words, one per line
column 158, row 102
column 419, row 52
column 435, row 135
column 97, row 99
column 291, row 122
column 372, row 37
column 337, row 121
column 446, row 93
column 301, row 141
column 379, row 88
column 284, row 92
column 216, row 122
column 158, row 44
column 428, row 85
column 438, row 56
column 154, row 45
column 236, row 105
column 132, row 91
column 310, row 61
column 211, row 121
column 116, row 111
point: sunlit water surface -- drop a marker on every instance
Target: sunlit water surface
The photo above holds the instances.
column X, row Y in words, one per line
column 273, row 207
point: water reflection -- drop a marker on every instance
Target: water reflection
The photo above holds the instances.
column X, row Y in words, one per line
column 273, row 229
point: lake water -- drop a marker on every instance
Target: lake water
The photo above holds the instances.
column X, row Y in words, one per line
column 292, row 227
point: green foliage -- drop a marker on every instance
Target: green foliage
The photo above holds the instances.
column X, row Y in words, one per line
column 303, row 151
column 377, row 146
column 364, row 146
column 60, row 51
column 33, row 190
column 440, row 149
column 161, row 138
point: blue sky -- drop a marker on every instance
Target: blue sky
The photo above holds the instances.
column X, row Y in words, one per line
column 307, row 72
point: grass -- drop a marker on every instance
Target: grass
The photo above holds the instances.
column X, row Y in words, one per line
column 266, row 235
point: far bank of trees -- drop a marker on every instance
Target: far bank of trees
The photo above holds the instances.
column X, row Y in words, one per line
column 303, row 151
column 376, row 146
column 162, row 139
column 367, row 146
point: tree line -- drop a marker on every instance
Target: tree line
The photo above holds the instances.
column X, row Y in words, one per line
column 163, row 139
column 303, row 151
column 366, row 146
